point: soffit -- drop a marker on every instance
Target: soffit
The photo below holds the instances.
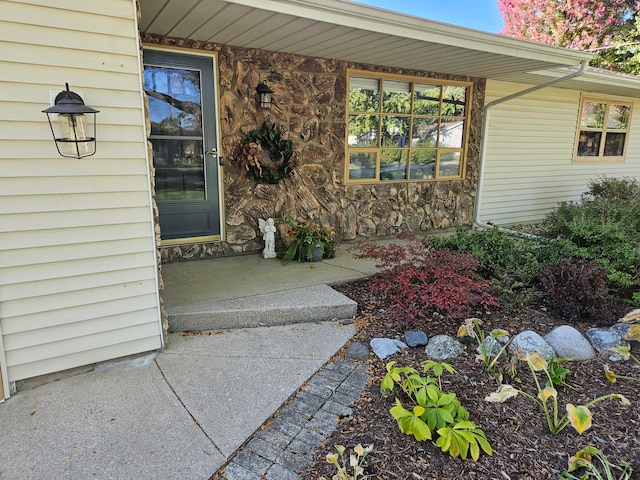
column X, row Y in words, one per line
column 352, row 32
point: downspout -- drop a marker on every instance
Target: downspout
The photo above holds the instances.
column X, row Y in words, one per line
column 485, row 132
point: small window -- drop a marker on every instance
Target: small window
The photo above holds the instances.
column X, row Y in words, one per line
column 405, row 128
column 604, row 130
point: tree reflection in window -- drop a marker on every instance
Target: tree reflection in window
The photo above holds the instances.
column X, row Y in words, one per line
column 409, row 129
column 604, row 128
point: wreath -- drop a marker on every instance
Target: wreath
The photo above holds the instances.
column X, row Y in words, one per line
column 266, row 155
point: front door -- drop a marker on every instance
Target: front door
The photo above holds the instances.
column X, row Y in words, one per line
column 182, row 110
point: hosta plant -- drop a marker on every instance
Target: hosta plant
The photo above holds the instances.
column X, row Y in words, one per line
column 592, row 463
column 579, row 417
column 625, row 352
column 433, row 410
column 489, row 351
column 557, row 373
column 355, row 462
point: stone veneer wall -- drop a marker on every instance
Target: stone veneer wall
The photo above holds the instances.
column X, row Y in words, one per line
column 310, row 106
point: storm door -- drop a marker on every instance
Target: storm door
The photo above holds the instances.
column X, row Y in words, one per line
column 182, row 111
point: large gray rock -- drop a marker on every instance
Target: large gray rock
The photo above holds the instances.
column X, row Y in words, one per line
column 622, row 328
column 568, row 342
column 415, row 338
column 603, row 338
column 530, row 340
column 385, row 347
column 357, row 351
column 625, row 329
column 442, row 347
column 492, row 347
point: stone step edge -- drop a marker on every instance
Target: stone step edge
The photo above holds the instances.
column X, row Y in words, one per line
column 298, row 305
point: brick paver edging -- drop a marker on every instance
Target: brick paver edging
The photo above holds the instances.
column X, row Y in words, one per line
column 287, row 444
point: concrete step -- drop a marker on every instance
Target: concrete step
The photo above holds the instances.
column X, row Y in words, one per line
column 312, row 303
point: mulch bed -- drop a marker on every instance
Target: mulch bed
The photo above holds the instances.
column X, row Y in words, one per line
column 523, row 447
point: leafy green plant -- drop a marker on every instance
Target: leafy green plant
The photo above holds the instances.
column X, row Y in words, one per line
column 355, row 462
column 511, row 263
column 585, row 460
column 613, row 377
column 615, row 189
column 489, row 351
column 625, row 352
column 306, row 235
column 605, row 226
column 579, row 417
column 557, row 373
column 433, row 410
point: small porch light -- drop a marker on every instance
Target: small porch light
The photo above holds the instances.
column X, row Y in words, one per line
column 265, row 95
column 74, row 130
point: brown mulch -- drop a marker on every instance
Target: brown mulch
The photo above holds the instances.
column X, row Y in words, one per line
column 523, row 447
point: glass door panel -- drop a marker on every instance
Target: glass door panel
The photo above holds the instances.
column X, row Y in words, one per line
column 180, row 89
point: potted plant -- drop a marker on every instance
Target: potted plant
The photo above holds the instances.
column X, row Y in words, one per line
column 306, row 237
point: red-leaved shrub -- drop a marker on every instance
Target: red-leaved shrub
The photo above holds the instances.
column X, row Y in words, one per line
column 420, row 282
column 576, row 288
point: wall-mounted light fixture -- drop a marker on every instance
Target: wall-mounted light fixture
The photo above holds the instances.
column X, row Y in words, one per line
column 265, row 95
column 74, row 130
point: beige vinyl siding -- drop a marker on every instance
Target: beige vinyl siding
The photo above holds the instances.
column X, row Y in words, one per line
column 529, row 154
column 78, row 281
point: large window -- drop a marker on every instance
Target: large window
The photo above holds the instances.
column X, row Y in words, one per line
column 406, row 129
column 604, row 130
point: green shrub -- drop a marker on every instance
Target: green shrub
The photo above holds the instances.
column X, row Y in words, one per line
column 605, row 226
column 616, row 189
column 510, row 262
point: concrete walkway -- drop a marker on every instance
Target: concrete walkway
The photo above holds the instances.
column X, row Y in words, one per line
column 185, row 412
column 249, row 291
column 178, row 414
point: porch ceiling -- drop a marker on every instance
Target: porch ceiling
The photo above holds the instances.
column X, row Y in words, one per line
column 352, row 32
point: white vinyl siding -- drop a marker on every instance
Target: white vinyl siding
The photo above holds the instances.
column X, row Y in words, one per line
column 78, row 278
column 529, row 154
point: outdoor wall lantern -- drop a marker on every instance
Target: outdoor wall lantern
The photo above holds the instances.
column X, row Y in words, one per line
column 74, row 129
column 265, row 95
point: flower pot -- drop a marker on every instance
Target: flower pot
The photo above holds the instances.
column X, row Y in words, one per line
column 316, row 254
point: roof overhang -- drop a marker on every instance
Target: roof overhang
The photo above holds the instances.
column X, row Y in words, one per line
column 353, row 32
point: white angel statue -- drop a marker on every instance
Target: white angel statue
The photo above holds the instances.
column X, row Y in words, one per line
column 268, row 230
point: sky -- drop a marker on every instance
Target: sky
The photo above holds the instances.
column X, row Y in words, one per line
column 476, row 14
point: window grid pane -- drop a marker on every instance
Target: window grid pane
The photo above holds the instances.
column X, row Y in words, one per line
column 409, row 124
column 604, row 127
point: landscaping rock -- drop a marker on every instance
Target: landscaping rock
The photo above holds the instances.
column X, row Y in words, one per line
column 621, row 328
column 357, row 351
column 613, row 355
column 603, row 338
column 491, row 346
column 442, row 347
column 415, row 338
column 625, row 329
column 568, row 342
column 530, row 340
column 385, row 347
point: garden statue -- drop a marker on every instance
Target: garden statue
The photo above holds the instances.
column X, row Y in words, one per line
column 268, row 230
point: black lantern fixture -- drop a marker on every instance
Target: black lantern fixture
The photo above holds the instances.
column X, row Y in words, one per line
column 265, row 95
column 74, row 130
